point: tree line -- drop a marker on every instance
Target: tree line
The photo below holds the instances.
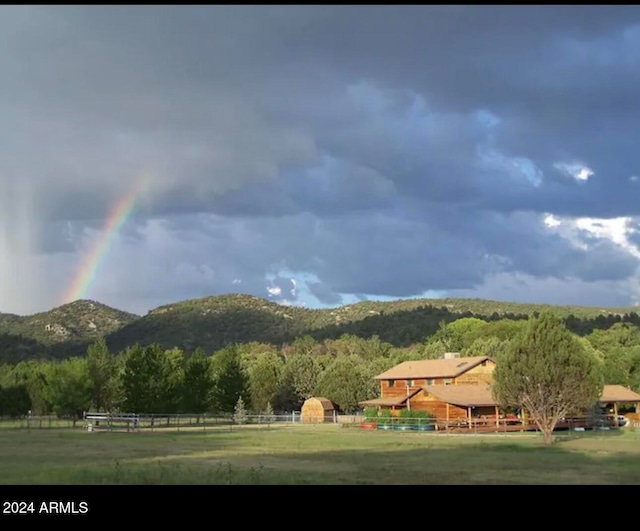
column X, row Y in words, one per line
column 152, row 379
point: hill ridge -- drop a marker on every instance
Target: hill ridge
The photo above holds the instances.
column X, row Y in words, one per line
column 214, row 321
column 415, row 300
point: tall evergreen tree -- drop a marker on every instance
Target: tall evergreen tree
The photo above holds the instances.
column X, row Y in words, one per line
column 102, row 374
column 198, row 383
column 548, row 372
column 230, row 381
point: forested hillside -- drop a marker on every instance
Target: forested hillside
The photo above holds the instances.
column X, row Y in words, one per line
column 154, row 379
column 215, row 322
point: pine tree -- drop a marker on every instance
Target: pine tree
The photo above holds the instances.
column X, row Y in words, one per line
column 547, row 371
column 239, row 412
column 268, row 414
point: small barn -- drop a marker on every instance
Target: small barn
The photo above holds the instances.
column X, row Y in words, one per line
column 317, row 409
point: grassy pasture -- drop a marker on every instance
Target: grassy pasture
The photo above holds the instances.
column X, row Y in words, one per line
column 325, row 454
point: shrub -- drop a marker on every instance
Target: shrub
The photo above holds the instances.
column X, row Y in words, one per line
column 385, row 417
column 371, row 414
column 409, row 416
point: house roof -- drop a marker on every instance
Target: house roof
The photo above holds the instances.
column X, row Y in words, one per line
column 618, row 393
column 384, row 402
column 441, row 368
column 390, row 401
column 463, row 395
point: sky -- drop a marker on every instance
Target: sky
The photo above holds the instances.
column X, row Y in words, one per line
column 320, row 155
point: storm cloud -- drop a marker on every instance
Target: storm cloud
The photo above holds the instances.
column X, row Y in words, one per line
column 321, row 154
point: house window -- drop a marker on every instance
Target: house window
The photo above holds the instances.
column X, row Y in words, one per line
column 410, row 383
column 447, row 381
column 430, row 381
column 392, row 383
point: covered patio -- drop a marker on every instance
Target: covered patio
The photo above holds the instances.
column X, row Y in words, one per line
column 615, row 395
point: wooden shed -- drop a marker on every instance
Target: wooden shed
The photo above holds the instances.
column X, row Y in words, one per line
column 317, row 409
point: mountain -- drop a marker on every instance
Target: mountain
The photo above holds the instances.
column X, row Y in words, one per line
column 46, row 334
column 213, row 322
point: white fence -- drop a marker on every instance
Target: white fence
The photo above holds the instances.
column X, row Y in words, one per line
column 134, row 422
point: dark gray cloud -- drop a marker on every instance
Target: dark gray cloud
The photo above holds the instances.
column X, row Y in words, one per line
column 358, row 150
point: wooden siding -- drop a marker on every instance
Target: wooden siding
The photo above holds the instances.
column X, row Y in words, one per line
column 436, row 408
column 400, row 387
column 316, row 410
column 479, row 374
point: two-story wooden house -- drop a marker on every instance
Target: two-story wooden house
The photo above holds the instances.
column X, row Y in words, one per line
column 456, row 388
column 449, row 388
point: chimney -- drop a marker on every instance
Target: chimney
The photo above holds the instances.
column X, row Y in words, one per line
column 451, row 355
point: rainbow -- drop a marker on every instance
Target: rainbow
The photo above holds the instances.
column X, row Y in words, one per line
column 116, row 217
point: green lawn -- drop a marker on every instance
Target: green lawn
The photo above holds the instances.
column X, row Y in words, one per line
column 326, row 454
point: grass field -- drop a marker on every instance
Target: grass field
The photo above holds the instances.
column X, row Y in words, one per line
column 324, row 454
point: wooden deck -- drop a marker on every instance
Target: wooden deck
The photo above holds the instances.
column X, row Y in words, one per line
column 515, row 425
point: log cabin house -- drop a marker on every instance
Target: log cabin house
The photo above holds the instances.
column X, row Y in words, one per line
column 458, row 388
column 448, row 388
column 410, row 376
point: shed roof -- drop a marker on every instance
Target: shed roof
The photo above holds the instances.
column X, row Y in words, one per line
column 618, row 393
column 325, row 402
column 467, row 395
column 390, row 401
column 441, row 368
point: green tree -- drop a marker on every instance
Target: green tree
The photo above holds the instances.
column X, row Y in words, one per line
column 305, row 345
column 229, row 380
column 486, row 346
column 504, row 329
column 298, row 380
column 433, row 350
column 14, row 401
column 264, row 379
column 368, row 370
column 117, row 387
column 458, row 334
column 102, row 375
column 172, row 370
column 548, row 372
column 346, row 382
column 412, row 353
column 198, row 383
column 69, row 388
column 618, row 335
column 239, row 412
column 33, row 376
column 152, row 379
